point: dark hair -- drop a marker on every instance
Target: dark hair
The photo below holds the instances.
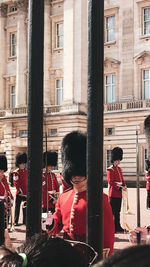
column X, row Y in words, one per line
column 43, row 250
column 135, row 256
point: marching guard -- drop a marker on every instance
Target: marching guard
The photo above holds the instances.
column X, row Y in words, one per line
column 147, row 177
column 20, row 182
column 5, row 193
column 116, row 184
column 70, row 212
column 50, row 185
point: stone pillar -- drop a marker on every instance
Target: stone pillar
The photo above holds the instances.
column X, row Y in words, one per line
column 75, row 51
column 47, row 54
column 3, row 47
column 21, row 89
column 80, row 51
column 68, row 50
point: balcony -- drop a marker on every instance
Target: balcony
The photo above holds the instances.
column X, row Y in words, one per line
column 49, row 110
column 127, row 106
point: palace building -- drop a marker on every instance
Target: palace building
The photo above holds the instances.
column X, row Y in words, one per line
column 126, row 76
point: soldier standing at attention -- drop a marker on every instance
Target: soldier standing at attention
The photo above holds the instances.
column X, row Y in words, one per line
column 20, row 182
column 147, row 177
column 5, row 193
column 70, row 212
column 116, row 184
column 51, row 191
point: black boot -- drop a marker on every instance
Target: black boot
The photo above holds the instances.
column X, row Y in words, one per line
column 118, row 228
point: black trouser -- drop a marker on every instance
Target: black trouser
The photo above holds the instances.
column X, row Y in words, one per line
column 148, row 199
column 19, row 199
column 115, row 203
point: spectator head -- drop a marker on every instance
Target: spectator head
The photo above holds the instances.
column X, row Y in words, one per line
column 42, row 251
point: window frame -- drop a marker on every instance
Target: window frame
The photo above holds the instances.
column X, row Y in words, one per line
column 143, row 86
column 12, row 47
column 108, row 158
column 143, row 31
column 12, row 96
column 60, row 89
column 59, row 35
column 111, row 84
column 106, row 29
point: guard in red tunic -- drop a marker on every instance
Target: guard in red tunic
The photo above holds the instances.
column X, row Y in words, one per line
column 20, row 182
column 50, row 191
column 70, row 212
column 5, row 193
column 116, row 184
column 147, row 177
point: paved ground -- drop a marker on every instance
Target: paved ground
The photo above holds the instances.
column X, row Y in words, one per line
column 121, row 240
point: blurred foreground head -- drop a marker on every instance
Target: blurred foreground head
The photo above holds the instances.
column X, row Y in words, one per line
column 42, row 251
column 135, row 256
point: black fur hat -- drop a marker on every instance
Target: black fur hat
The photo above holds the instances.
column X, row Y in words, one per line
column 73, row 152
column 116, row 154
column 147, row 164
column 52, row 157
column 21, row 158
column 3, row 163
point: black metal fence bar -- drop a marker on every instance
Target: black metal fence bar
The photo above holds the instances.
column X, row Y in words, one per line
column 95, row 125
column 35, row 115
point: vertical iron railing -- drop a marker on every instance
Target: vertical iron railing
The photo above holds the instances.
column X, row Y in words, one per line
column 95, row 125
column 138, row 181
column 35, row 115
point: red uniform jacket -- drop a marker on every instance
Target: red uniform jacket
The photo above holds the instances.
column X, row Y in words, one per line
column 147, row 177
column 53, row 188
column 64, row 184
column 20, row 181
column 70, row 216
column 4, row 189
column 114, row 176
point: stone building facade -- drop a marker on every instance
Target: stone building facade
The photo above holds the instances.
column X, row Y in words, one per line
column 126, row 76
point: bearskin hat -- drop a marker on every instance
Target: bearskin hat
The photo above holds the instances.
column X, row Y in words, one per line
column 3, row 163
column 73, row 152
column 52, row 157
column 147, row 164
column 21, row 158
column 116, row 154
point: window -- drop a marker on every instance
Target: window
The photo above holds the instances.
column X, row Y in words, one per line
column 59, row 35
column 110, row 29
column 108, row 159
column 110, row 88
column 59, row 91
column 110, row 131
column 52, row 132
column 12, row 96
column 13, row 44
column 145, row 157
column 146, row 83
column 146, row 22
column 12, row 9
column 23, row 133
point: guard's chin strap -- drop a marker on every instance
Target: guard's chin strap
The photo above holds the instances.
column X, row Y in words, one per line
column 78, row 182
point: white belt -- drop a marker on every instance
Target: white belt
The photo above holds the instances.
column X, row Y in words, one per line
column 52, row 192
column 2, row 197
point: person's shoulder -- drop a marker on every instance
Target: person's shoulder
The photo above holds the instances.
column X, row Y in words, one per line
column 110, row 168
column 67, row 193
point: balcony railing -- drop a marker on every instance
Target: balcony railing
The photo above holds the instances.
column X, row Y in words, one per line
column 122, row 106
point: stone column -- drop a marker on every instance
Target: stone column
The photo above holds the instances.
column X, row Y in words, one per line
column 68, row 50
column 3, row 13
column 47, row 54
column 21, row 90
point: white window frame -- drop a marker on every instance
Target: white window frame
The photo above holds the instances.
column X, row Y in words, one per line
column 111, row 85
column 23, row 133
column 59, row 90
column 59, row 35
column 107, row 30
column 12, row 96
column 144, row 22
column 143, row 82
column 13, row 44
column 108, row 158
